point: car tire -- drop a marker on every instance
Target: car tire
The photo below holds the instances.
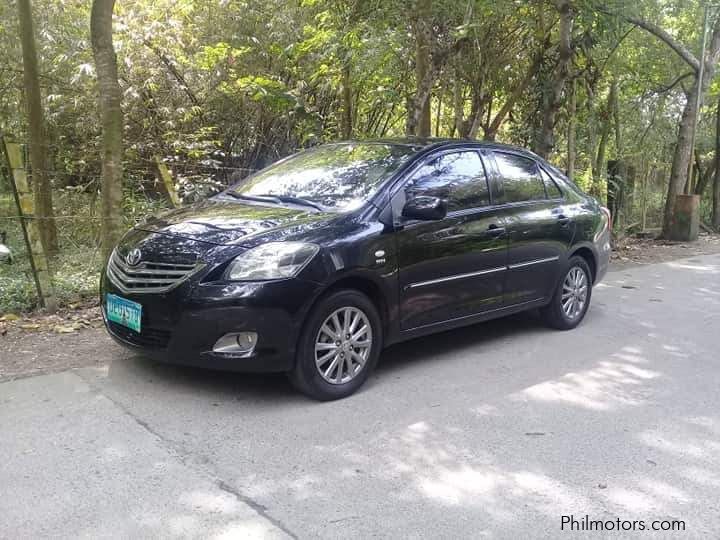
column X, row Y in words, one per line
column 561, row 313
column 314, row 374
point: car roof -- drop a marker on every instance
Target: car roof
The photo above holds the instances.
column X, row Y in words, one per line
column 430, row 143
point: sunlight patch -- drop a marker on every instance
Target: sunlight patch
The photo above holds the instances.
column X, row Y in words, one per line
column 631, row 499
column 452, row 487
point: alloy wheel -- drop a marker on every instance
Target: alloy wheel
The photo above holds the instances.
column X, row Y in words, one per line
column 574, row 293
column 343, row 345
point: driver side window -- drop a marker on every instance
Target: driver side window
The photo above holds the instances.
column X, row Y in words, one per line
column 458, row 177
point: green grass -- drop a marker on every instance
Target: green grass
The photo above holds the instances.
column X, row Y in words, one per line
column 75, row 276
column 76, row 270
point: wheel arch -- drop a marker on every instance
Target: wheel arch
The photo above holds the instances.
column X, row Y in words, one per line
column 587, row 252
column 366, row 285
column 369, row 285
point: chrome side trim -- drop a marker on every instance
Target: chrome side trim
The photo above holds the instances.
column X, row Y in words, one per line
column 482, row 315
column 530, row 263
column 457, row 276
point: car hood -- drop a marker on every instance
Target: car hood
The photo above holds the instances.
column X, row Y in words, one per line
column 229, row 222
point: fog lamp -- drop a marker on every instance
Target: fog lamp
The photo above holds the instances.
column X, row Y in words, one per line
column 236, row 343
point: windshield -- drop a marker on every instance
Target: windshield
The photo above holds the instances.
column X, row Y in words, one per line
column 339, row 177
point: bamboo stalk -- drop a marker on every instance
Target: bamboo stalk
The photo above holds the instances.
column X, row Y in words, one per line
column 168, row 182
column 30, row 227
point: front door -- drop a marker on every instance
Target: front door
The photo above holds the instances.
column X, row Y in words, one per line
column 539, row 233
column 454, row 267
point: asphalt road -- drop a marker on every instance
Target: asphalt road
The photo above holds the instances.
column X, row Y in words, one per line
column 497, row 430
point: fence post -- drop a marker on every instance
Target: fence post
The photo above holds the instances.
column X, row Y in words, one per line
column 168, row 182
column 31, row 232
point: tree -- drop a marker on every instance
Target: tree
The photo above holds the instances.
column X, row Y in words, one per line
column 694, row 97
column 38, row 148
column 418, row 122
column 217, row 89
column 112, row 121
column 571, row 149
column 553, row 99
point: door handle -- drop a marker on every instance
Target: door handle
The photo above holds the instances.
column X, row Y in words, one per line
column 563, row 220
column 494, row 230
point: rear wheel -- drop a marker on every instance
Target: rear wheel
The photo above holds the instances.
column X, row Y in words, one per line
column 339, row 346
column 571, row 299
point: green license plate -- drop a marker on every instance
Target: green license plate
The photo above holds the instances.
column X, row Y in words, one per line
column 123, row 311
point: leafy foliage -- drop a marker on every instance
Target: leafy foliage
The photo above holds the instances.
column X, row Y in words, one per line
column 217, row 89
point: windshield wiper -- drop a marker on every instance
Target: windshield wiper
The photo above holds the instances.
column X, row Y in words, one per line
column 258, row 198
column 297, row 200
column 277, row 199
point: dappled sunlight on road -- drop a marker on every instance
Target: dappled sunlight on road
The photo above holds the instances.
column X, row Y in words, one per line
column 503, row 426
column 664, row 491
column 681, row 446
column 498, row 492
column 630, row 500
column 607, row 385
column 471, row 479
column 451, row 460
column 706, row 291
column 247, row 530
column 700, row 268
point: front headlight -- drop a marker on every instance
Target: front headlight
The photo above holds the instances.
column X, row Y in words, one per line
column 274, row 260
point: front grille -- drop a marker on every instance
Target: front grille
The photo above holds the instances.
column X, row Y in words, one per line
column 147, row 277
column 153, row 338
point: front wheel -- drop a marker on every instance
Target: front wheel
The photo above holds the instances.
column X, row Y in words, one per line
column 339, row 346
column 571, row 299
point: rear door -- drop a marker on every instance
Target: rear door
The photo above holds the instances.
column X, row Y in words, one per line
column 538, row 230
column 455, row 267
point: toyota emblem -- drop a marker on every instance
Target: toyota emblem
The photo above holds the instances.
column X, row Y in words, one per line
column 133, row 257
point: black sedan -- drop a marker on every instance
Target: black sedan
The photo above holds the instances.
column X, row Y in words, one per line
column 314, row 264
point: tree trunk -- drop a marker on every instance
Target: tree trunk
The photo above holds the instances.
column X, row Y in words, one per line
column 518, row 91
column 622, row 198
column 112, row 121
column 36, row 127
column 571, row 150
column 648, row 181
column 458, row 104
column 683, row 148
column 716, row 182
column 347, row 113
column 472, row 125
column 592, row 138
column 551, row 104
column 599, row 163
column 703, row 176
column 438, row 114
column 418, row 121
column 681, row 158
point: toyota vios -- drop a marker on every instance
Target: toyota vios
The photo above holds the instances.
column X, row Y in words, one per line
column 314, row 264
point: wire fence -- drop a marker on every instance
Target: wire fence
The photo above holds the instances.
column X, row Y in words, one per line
column 76, row 267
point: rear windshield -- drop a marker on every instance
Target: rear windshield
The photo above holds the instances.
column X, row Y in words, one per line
column 340, row 177
column 560, row 178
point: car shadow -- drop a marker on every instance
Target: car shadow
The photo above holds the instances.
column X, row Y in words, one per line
column 429, row 348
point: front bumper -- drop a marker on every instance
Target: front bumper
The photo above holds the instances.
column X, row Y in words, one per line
column 181, row 327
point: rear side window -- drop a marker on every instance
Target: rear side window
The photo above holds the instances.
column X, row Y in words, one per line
column 551, row 188
column 521, row 178
column 459, row 178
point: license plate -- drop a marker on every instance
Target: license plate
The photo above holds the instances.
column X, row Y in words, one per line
column 123, row 311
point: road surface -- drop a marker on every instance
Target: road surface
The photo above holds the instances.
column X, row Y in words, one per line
column 496, row 430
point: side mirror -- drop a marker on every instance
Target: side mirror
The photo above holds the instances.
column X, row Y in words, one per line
column 425, row 208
